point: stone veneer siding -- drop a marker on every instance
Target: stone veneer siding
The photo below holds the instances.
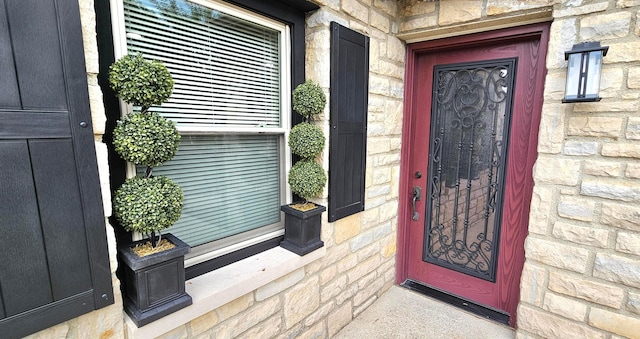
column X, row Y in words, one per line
column 582, row 273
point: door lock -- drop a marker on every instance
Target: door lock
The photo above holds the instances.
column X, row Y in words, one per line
column 417, row 195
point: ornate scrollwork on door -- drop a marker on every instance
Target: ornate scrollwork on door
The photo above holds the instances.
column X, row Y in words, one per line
column 469, row 131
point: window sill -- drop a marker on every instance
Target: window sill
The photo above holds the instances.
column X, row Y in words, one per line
column 214, row 289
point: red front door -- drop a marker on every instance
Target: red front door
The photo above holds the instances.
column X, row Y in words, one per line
column 472, row 112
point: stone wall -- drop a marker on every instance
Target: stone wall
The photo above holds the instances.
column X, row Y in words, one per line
column 105, row 323
column 582, row 274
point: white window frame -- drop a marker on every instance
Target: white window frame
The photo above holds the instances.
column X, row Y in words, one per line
column 201, row 253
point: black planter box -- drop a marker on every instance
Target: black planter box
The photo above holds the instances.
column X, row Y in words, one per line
column 302, row 229
column 154, row 284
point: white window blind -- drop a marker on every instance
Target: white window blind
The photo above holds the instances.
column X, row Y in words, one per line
column 231, row 185
column 226, row 69
column 227, row 103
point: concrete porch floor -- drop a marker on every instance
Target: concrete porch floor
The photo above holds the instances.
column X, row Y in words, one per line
column 401, row 313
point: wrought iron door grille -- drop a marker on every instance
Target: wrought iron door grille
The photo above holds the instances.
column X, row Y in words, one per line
column 470, row 117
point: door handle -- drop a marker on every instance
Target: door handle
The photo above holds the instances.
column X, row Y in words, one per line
column 417, row 195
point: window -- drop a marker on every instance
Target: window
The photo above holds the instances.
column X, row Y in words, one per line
column 230, row 102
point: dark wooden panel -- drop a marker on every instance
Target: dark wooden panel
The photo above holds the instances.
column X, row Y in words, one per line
column 61, row 216
column 351, row 99
column 84, row 151
column 9, row 95
column 27, row 124
column 351, row 161
column 44, row 317
column 349, row 187
column 25, row 280
column 33, row 26
column 349, row 106
column 2, row 312
column 52, row 219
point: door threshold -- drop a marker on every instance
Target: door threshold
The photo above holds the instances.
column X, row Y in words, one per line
column 462, row 303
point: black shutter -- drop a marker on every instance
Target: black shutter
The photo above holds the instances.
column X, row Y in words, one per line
column 54, row 262
column 348, row 137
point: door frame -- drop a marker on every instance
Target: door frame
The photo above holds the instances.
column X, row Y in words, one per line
column 535, row 31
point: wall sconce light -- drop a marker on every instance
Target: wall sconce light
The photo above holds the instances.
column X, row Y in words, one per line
column 583, row 72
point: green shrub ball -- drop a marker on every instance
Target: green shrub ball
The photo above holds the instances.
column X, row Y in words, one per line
column 148, row 204
column 308, row 99
column 146, row 139
column 140, row 82
column 307, row 179
column 306, row 140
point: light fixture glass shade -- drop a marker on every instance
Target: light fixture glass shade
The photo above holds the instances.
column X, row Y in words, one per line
column 583, row 72
column 573, row 77
column 594, row 70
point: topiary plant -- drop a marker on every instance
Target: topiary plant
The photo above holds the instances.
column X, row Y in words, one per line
column 306, row 140
column 145, row 204
column 146, row 139
column 140, row 82
column 307, row 177
column 308, row 99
